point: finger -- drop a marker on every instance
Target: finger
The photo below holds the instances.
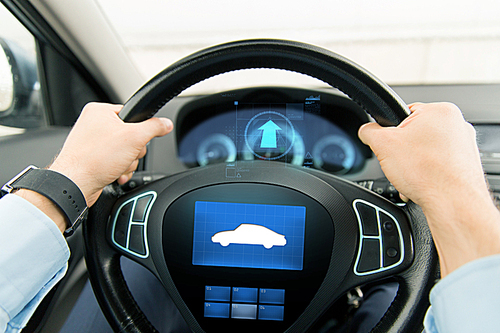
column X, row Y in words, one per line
column 154, row 127
column 132, row 167
column 124, row 178
column 143, row 152
column 404, row 198
column 368, row 132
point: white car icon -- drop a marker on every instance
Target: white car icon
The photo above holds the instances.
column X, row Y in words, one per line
column 250, row 234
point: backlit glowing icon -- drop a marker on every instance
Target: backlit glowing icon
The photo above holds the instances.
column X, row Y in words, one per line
column 269, row 135
column 251, row 234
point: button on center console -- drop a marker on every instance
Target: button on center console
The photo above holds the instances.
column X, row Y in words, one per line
column 244, row 303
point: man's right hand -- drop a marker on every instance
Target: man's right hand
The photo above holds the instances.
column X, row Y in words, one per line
column 432, row 158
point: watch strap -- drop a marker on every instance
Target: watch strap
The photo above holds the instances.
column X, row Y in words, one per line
column 61, row 190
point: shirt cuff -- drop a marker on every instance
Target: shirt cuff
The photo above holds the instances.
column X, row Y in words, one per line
column 467, row 299
column 34, row 258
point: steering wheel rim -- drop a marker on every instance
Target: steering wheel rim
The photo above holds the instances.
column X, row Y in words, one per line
column 373, row 95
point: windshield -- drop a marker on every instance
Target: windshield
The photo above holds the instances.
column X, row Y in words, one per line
column 402, row 42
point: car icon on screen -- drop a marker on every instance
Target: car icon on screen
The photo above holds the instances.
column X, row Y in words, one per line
column 251, row 234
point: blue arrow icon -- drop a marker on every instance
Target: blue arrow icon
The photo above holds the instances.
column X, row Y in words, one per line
column 269, row 136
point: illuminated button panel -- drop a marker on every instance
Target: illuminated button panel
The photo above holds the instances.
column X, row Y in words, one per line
column 130, row 224
column 381, row 242
column 244, row 303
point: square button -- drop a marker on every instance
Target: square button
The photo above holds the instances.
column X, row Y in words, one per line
column 246, row 295
column 271, row 312
column 220, row 294
column 244, row 311
column 368, row 216
column 369, row 259
column 272, row 296
column 141, row 207
column 216, row 310
column 122, row 222
column 136, row 241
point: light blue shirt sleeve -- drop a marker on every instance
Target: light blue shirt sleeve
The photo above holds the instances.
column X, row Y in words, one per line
column 33, row 258
column 467, row 300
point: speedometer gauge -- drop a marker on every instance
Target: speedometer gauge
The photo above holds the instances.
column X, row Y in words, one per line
column 216, row 148
column 334, row 153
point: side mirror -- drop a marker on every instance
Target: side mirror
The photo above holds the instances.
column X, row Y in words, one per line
column 6, row 82
column 19, row 84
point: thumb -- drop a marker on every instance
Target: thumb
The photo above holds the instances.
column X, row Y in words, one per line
column 155, row 127
column 368, row 133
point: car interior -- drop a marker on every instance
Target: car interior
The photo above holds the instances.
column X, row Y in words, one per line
column 280, row 158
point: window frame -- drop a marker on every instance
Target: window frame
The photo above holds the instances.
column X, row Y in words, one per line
column 51, row 52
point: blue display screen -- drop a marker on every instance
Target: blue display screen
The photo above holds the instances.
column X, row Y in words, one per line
column 249, row 235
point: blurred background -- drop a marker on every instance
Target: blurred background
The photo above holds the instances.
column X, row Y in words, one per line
column 402, row 42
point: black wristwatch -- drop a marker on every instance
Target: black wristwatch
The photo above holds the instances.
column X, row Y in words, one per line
column 56, row 187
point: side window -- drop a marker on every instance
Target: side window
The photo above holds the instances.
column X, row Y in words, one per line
column 21, row 104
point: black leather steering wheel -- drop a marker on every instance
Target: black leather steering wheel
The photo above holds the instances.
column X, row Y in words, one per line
column 344, row 208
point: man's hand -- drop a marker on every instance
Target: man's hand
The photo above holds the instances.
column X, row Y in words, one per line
column 431, row 154
column 101, row 148
column 432, row 158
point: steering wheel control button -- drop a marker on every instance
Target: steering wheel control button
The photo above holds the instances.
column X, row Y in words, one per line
column 122, row 224
column 244, row 311
column 271, row 312
column 136, row 240
column 140, row 208
column 390, row 240
column 391, row 253
column 129, row 228
column 377, row 252
column 388, row 226
column 272, row 296
column 219, row 294
column 246, row 295
column 368, row 217
column 216, row 310
column 369, row 259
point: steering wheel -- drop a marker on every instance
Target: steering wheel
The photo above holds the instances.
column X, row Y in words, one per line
column 342, row 235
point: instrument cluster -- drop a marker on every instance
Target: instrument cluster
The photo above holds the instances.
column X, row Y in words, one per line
column 315, row 129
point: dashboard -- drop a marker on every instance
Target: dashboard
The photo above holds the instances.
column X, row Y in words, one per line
column 311, row 128
column 293, row 126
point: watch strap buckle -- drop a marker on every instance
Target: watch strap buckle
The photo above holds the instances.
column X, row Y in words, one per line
column 8, row 187
column 58, row 188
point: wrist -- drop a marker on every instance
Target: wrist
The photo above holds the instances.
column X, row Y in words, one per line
column 46, row 206
column 65, row 197
column 465, row 230
column 71, row 171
